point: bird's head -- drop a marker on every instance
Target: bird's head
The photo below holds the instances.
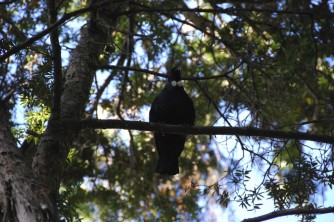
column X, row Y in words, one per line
column 174, row 74
column 174, row 77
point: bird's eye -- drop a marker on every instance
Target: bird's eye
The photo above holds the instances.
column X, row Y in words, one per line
column 180, row 83
column 174, row 83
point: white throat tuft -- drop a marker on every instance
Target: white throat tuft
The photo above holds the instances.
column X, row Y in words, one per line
column 177, row 83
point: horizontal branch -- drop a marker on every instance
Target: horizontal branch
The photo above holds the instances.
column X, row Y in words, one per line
column 295, row 211
column 231, row 10
column 199, row 130
column 164, row 75
column 131, row 69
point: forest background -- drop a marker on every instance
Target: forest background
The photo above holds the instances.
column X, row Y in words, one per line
column 77, row 79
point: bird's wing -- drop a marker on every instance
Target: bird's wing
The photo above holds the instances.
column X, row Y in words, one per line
column 155, row 110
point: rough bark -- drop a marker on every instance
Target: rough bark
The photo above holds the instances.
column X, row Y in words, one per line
column 22, row 198
column 30, row 194
column 53, row 148
column 50, row 158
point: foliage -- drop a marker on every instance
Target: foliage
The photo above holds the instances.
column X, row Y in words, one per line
column 274, row 66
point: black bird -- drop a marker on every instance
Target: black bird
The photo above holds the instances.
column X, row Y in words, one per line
column 171, row 106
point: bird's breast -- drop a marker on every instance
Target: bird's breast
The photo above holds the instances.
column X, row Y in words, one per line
column 174, row 107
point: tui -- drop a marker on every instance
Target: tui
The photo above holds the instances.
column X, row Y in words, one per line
column 171, row 106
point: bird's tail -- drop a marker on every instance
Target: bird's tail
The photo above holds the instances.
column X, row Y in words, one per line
column 168, row 165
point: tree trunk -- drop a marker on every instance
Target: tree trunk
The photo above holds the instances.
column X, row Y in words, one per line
column 53, row 148
column 31, row 194
column 22, row 198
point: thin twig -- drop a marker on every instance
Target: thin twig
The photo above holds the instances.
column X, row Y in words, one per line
column 165, row 76
column 231, row 10
column 43, row 33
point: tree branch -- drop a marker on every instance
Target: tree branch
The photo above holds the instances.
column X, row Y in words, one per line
column 43, row 33
column 131, row 69
column 295, row 211
column 165, row 76
column 231, row 10
column 191, row 130
column 7, row 2
column 56, row 57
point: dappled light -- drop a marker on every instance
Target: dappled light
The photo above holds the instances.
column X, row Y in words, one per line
column 78, row 80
